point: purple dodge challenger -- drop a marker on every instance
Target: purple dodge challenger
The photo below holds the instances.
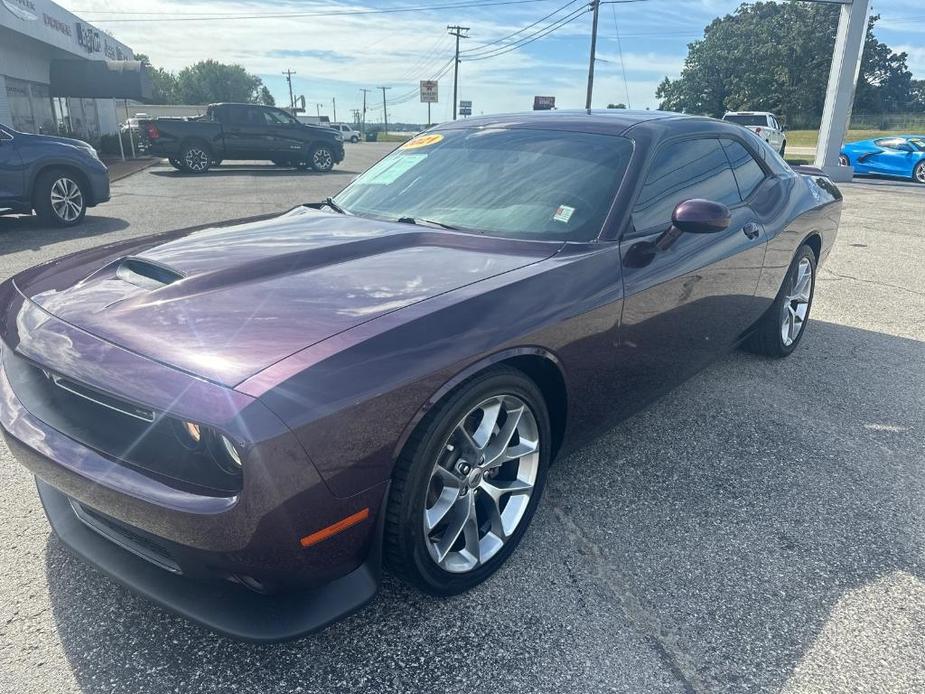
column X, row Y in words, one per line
column 245, row 423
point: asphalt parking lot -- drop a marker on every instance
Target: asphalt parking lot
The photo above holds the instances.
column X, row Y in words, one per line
column 761, row 528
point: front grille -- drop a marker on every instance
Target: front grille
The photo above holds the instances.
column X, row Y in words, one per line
column 126, row 537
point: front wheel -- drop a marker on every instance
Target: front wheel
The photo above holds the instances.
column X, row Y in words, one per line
column 918, row 174
column 467, row 484
column 780, row 330
column 322, row 158
column 59, row 199
column 354, row 139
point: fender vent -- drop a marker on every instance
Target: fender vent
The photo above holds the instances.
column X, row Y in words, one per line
column 146, row 274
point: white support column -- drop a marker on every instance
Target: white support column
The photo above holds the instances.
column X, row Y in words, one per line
column 839, row 96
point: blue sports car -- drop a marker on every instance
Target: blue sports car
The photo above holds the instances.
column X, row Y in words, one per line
column 898, row 155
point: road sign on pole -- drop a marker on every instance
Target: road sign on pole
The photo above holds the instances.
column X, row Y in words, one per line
column 465, row 108
column 429, row 92
column 544, row 103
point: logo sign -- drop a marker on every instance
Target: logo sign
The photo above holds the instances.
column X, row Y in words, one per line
column 428, row 91
column 89, row 38
column 465, row 108
column 544, row 103
column 24, row 9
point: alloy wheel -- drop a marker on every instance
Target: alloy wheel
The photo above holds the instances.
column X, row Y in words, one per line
column 66, row 199
column 920, row 172
column 481, row 483
column 843, row 160
column 322, row 159
column 796, row 303
column 196, row 159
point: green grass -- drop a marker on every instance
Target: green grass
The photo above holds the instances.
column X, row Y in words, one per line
column 796, row 161
column 808, row 138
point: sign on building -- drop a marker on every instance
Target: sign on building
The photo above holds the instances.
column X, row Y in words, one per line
column 465, row 108
column 428, row 91
column 544, row 103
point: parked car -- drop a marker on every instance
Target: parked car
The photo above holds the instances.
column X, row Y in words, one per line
column 246, row 421
column 764, row 124
column 242, row 132
column 347, row 132
column 902, row 156
column 58, row 177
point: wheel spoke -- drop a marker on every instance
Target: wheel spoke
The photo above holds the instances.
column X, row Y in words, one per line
column 490, row 413
column 449, row 494
column 496, row 449
column 457, row 519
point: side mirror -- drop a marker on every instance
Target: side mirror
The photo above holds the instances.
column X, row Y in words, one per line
column 700, row 216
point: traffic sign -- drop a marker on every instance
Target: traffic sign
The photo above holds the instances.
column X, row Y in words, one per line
column 428, row 91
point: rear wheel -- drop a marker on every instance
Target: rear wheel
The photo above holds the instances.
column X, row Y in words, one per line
column 355, row 139
column 918, row 173
column 468, row 482
column 322, row 158
column 59, row 198
column 780, row 330
column 196, row 158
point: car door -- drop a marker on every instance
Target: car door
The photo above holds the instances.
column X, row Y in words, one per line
column 777, row 134
column 11, row 171
column 894, row 158
column 285, row 135
column 695, row 299
column 245, row 131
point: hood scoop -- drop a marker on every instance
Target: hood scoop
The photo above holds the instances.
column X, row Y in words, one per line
column 146, row 274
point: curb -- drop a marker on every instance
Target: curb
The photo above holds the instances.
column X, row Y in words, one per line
column 125, row 174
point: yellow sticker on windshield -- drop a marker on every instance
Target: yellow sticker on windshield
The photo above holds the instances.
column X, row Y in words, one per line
column 422, row 141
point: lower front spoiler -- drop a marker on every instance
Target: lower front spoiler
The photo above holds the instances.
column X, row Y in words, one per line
column 227, row 608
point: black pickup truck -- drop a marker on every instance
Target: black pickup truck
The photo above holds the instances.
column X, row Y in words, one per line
column 242, row 132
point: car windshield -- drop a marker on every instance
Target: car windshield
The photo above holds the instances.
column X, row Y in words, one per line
column 747, row 120
column 514, row 182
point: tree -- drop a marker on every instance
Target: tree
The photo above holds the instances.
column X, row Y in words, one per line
column 264, row 97
column 772, row 56
column 165, row 84
column 209, row 81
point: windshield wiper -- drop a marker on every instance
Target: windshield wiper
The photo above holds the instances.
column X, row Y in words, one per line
column 425, row 222
column 334, row 206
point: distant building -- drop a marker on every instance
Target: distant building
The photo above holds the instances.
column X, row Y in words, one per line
column 33, row 34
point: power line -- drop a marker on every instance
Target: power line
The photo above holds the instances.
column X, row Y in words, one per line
column 193, row 17
column 482, row 46
column 535, row 36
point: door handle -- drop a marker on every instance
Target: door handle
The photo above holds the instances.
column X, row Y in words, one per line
column 752, row 230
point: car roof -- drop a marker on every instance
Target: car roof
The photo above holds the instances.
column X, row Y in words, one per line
column 596, row 120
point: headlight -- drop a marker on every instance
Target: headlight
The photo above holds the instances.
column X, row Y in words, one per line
column 232, row 451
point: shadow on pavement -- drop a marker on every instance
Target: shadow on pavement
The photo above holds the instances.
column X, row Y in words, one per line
column 701, row 545
column 21, row 233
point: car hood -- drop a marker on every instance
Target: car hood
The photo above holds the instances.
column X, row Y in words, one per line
column 54, row 139
column 225, row 303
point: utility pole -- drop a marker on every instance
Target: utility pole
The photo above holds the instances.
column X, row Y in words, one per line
column 289, row 74
column 365, row 92
column 318, row 110
column 385, row 113
column 595, row 6
column 460, row 33
column 334, row 104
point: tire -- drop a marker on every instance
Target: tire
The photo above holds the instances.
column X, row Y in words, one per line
column 775, row 334
column 431, row 481
column 354, row 139
column 918, row 173
column 843, row 160
column 175, row 163
column 59, row 198
column 322, row 158
column 783, row 148
column 196, row 158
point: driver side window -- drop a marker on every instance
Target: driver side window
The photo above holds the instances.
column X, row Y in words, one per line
column 682, row 171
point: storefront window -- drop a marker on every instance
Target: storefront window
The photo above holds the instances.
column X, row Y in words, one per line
column 42, row 113
column 30, row 106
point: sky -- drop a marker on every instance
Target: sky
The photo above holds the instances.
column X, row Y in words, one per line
column 334, row 57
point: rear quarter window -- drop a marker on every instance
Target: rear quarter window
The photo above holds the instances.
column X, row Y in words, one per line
column 748, row 172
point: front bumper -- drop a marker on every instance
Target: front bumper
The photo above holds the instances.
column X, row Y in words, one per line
column 224, row 607
column 99, row 186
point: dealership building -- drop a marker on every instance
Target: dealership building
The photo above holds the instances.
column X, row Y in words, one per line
column 56, row 71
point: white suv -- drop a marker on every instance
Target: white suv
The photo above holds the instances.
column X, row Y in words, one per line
column 764, row 124
column 349, row 134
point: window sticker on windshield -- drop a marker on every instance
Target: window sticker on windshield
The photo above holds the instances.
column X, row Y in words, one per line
column 563, row 213
column 392, row 170
column 422, row 141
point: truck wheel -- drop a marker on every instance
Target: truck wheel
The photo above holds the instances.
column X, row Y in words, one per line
column 322, row 158
column 175, row 163
column 59, row 198
column 355, row 139
column 196, row 158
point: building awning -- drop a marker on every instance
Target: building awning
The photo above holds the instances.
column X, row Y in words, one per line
column 101, row 79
